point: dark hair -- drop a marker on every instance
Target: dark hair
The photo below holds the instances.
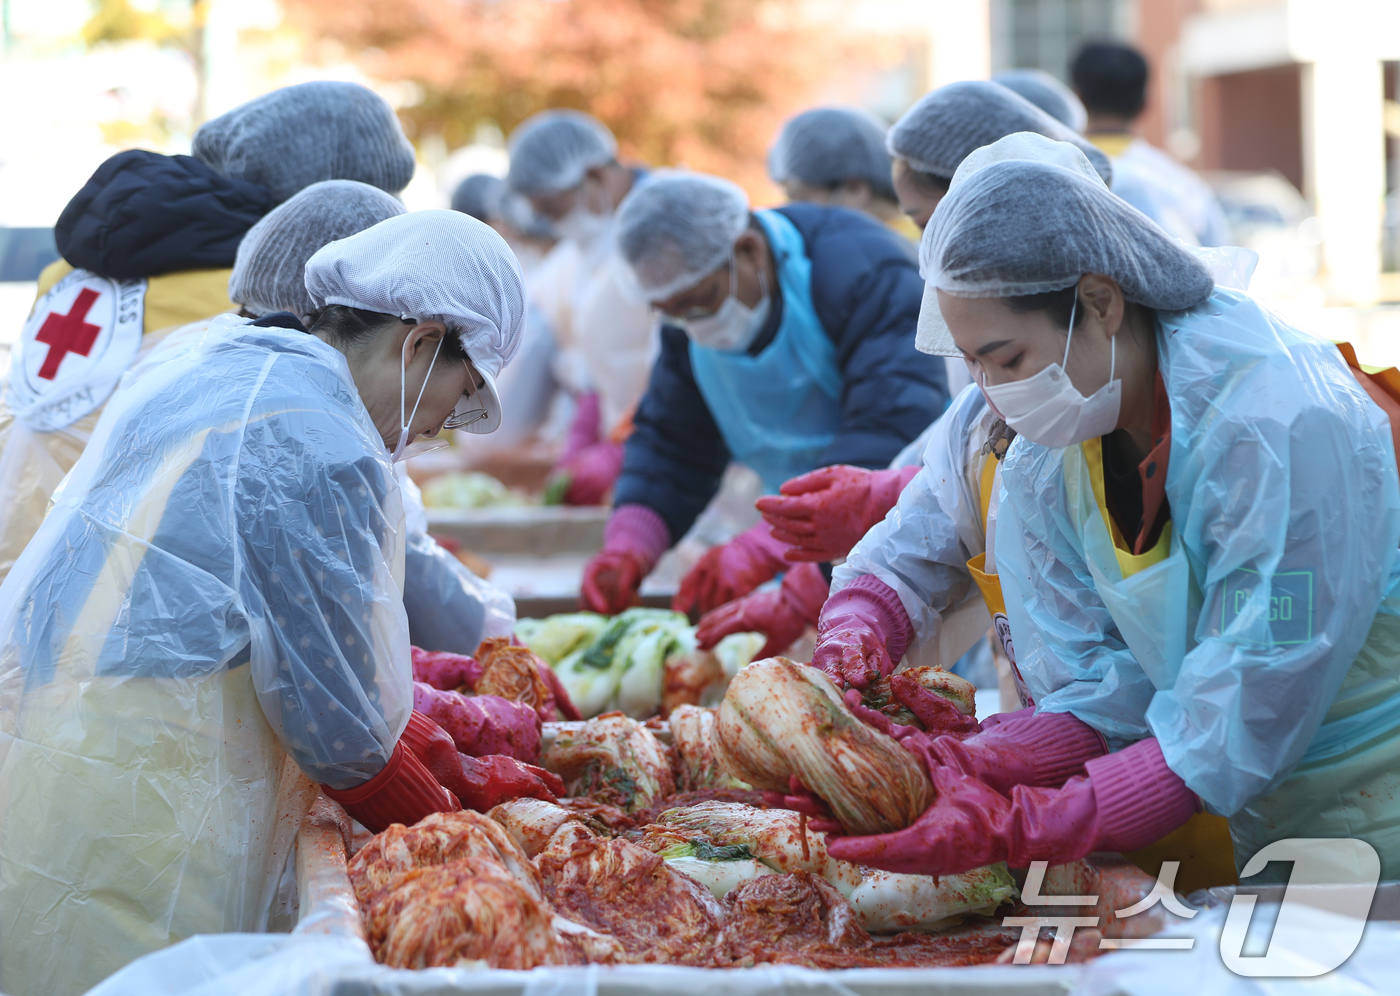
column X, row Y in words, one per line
column 1057, row 304
column 929, row 181
column 1110, row 77
column 350, row 328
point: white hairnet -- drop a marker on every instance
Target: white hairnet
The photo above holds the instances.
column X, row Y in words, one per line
column 441, row 265
column 1047, row 93
column 551, row 151
column 938, row 132
column 676, row 226
column 826, row 146
column 933, row 335
column 1019, row 227
column 269, row 273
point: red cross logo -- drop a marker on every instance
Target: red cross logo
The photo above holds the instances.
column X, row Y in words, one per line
column 69, row 333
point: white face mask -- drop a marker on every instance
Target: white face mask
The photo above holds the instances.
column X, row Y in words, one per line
column 734, row 325
column 404, row 424
column 1048, row 409
column 581, row 225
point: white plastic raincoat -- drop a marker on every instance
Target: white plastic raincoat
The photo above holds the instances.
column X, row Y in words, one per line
column 216, row 590
column 921, row 548
column 1253, row 648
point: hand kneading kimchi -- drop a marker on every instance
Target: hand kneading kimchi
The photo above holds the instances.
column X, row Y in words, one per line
column 780, row 719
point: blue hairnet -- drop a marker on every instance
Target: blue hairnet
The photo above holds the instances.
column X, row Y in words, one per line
column 826, row 146
column 552, row 150
column 1047, row 93
column 938, row 132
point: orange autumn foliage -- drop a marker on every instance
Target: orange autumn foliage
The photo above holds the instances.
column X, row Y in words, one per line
column 700, row 83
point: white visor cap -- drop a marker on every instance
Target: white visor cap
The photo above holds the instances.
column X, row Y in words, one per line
column 932, row 335
column 433, row 265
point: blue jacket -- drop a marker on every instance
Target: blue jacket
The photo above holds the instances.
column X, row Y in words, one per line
column 866, row 291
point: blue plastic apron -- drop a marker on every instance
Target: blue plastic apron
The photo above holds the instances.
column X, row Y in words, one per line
column 777, row 411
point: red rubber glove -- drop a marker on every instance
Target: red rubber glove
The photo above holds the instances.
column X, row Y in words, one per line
column 1129, row 800
column 823, row 514
column 634, row 540
column 444, row 670
column 486, row 782
column 591, row 473
column 782, row 615
column 863, row 633
column 731, row 570
column 403, row 792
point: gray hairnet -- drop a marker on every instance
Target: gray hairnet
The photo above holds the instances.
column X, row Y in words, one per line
column 1019, row 227
column 552, row 150
column 441, row 265
column 293, row 137
column 269, row 273
column 826, row 146
column 938, row 132
column 479, row 195
column 1047, row 93
column 676, row 226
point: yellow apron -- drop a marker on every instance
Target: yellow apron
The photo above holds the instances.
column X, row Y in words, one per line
column 1202, row 844
column 137, row 811
column 32, row 463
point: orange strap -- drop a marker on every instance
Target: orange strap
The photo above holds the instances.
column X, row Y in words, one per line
column 1382, row 384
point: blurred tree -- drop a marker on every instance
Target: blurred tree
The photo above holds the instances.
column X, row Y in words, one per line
column 704, row 83
column 178, row 25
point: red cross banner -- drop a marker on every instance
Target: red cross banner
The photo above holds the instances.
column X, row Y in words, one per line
column 79, row 340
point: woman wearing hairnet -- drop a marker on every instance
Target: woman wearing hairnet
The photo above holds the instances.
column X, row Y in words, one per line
column 821, row 514
column 210, row 620
column 837, row 155
column 1196, row 541
column 787, row 344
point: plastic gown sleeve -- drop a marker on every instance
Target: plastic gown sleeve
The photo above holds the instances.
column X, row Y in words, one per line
column 1283, row 486
column 922, row 546
column 315, row 587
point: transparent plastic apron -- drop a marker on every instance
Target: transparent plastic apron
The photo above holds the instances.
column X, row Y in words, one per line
column 777, row 411
column 139, row 811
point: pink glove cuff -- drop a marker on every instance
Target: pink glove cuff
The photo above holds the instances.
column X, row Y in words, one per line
column 1140, row 800
column 886, row 485
column 807, row 587
column 875, row 602
column 638, row 530
column 1058, row 744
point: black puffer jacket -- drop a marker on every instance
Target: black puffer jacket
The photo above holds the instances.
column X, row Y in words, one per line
column 143, row 214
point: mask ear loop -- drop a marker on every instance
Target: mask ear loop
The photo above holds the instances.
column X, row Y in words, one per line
column 1070, row 338
column 403, row 374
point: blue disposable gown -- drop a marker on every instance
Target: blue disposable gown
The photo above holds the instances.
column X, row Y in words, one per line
column 209, row 621
column 1263, row 652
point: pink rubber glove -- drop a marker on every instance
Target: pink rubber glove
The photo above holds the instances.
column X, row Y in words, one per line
column 584, row 429
column 1129, row 800
column 449, row 672
column 634, row 540
column 823, row 514
column 1041, row 750
column 731, row 571
column 782, row 615
column 591, row 473
column 482, row 724
column 863, row 633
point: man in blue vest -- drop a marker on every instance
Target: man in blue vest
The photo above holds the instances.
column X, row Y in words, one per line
column 787, row 344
